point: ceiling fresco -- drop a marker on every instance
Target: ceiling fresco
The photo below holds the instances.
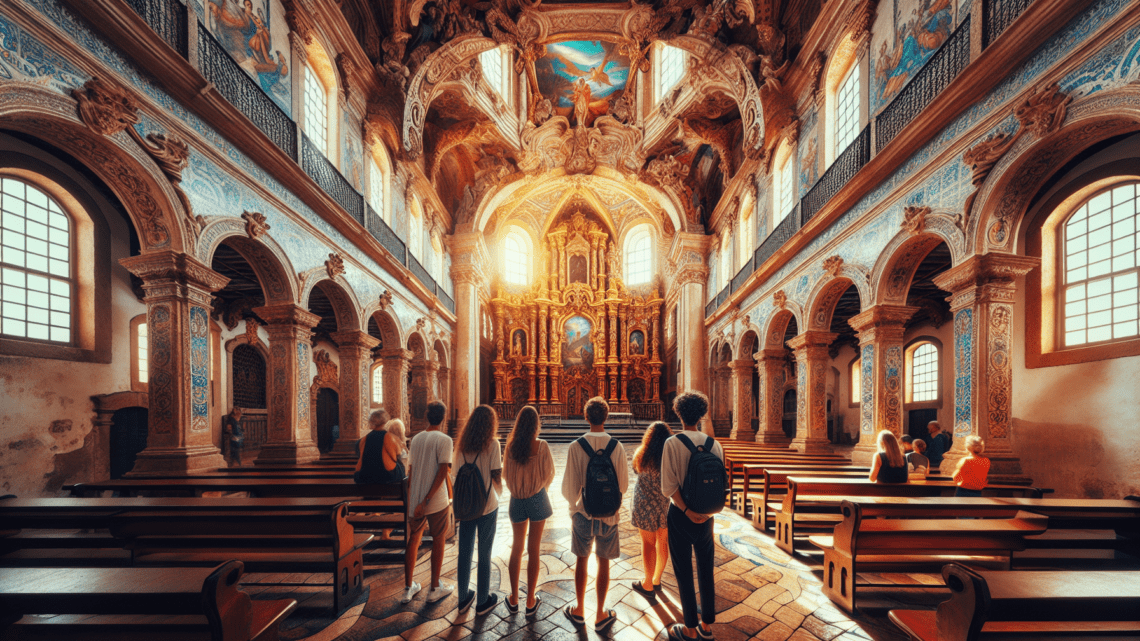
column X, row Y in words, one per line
column 602, row 69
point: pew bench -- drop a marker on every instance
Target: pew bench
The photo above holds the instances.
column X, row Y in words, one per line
column 1029, row 605
column 919, row 543
column 136, row 603
column 742, row 475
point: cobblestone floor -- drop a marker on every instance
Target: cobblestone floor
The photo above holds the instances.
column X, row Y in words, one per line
column 762, row 594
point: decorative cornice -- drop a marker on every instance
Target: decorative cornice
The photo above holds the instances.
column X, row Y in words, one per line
column 987, row 269
column 287, row 314
column 165, row 266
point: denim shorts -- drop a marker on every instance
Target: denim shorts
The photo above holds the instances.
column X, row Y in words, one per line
column 585, row 530
column 533, row 508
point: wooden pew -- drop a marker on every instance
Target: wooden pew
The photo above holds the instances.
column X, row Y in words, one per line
column 1029, row 605
column 136, row 603
column 866, row 544
column 813, row 502
column 742, row 475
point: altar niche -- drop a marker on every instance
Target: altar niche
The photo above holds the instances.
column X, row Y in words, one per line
column 578, row 332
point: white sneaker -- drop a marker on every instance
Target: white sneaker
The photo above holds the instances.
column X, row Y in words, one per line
column 410, row 592
column 442, row 592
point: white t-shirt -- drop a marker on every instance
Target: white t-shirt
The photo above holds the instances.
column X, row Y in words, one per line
column 675, row 459
column 429, row 450
column 489, row 460
column 575, row 478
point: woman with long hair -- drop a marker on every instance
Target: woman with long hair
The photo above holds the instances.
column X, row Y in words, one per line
column 528, row 470
column 889, row 464
column 478, row 444
column 651, row 508
column 382, row 451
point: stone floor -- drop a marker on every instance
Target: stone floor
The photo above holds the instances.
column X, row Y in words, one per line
column 762, row 593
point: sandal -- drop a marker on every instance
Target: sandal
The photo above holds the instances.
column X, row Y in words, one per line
column 640, row 589
column 513, row 609
column 574, row 618
column 601, row 626
column 530, row 612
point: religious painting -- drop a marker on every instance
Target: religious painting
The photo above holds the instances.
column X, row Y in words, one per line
column 637, row 343
column 579, row 269
column 256, row 36
column 589, row 73
column 577, row 349
column 518, row 343
column 904, row 41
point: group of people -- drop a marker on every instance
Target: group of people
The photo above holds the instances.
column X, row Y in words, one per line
column 680, row 487
column 913, row 459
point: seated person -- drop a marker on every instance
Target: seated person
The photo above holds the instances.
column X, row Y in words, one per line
column 973, row 471
column 888, row 466
column 906, row 442
column 919, row 464
column 382, row 453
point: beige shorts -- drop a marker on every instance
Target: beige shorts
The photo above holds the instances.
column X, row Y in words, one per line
column 438, row 524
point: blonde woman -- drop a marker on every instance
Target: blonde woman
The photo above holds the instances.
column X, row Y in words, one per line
column 528, row 470
column 889, row 465
column 380, row 455
column 973, row 471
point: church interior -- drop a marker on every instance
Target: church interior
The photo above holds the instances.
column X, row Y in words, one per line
column 828, row 216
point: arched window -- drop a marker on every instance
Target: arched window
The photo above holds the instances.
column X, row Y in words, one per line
column 746, row 235
column 516, row 248
column 378, row 384
column 726, row 271
column 783, row 184
column 667, row 70
column 377, row 181
column 497, row 71
column 847, row 110
column 855, row 392
column 1100, row 255
column 35, row 266
column 922, row 383
column 316, row 111
column 416, row 230
column 638, row 263
column 843, row 99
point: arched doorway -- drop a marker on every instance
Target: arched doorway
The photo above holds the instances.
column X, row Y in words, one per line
column 247, row 381
column 127, row 439
column 790, row 405
column 328, row 415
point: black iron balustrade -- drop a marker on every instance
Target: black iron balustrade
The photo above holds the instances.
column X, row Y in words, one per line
column 837, row 175
column 446, row 298
column 999, row 14
column 780, row 235
column 420, row 273
column 388, row 238
column 741, row 276
column 710, row 307
column 938, row 72
column 318, row 167
column 167, row 18
column 722, row 296
column 242, row 92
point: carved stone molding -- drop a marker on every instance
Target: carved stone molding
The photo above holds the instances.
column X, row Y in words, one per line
column 251, row 326
column 334, row 265
column 104, row 108
column 580, row 150
column 860, row 20
column 255, row 225
column 169, row 266
column 833, row 265
column 914, row 218
column 780, row 299
column 982, row 157
column 1043, row 112
column 385, row 301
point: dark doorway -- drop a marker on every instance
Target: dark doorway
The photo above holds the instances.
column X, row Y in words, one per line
column 328, row 414
column 917, row 421
column 128, row 438
column 790, row 413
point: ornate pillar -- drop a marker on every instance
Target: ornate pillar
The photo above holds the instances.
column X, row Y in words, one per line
column 742, row 399
column 982, row 293
column 469, row 254
column 397, row 361
column 772, row 364
column 690, row 279
column 289, row 438
column 811, row 390
column 543, row 362
column 880, row 331
column 612, row 359
column 355, row 350
column 178, row 299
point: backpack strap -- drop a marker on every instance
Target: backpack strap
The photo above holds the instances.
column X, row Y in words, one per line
column 610, row 448
column 688, row 443
column 581, row 440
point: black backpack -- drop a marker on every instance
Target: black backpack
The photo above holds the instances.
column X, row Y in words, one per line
column 600, row 495
column 706, row 480
column 470, row 494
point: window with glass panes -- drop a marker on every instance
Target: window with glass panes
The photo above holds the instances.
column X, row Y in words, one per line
column 856, row 382
column 847, row 110
column 1101, row 255
column 638, row 258
column 787, row 188
column 376, row 189
column 35, row 264
column 141, row 355
column 378, row 384
column 514, row 258
column 668, row 70
column 924, row 373
column 316, row 111
column 492, row 62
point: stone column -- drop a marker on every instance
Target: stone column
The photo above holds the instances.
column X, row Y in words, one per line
column 178, row 299
column 543, row 359
column 880, row 331
column 773, row 373
column 289, row 438
column 982, row 293
column 396, row 363
column 469, row 254
column 355, row 350
column 742, row 399
column 690, row 280
column 812, row 363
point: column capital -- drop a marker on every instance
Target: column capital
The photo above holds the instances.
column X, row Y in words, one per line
column 812, row 338
column 742, row 366
column 881, row 322
column 287, row 314
column 156, row 268
column 354, row 338
column 984, row 278
column 469, row 250
column 393, row 353
column 769, row 355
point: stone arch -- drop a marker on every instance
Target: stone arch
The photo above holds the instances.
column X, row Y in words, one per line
column 895, row 268
column 390, row 331
column 267, row 258
column 441, row 352
column 154, row 206
column 995, row 221
column 340, row 294
column 773, row 336
column 417, row 345
column 748, row 342
column 826, row 293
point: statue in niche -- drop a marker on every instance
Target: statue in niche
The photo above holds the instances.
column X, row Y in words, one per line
column 579, row 269
column 613, row 264
column 518, row 343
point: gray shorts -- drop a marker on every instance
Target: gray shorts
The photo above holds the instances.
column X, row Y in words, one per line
column 583, row 532
column 534, row 508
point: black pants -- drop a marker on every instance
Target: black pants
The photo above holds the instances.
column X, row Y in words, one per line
column 235, row 453
column 685, row 539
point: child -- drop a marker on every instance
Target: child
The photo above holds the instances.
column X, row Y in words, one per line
column 428, row 472
column 690, row 533
column 528, row 469
column 918, row 462
column 973, row 471
column 593, row 488
column 477, row 489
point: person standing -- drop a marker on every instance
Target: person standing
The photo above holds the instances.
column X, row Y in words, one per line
column 235, row 436
column 478, row 483
column 596, row 478
column 429, row 496
column 651, row 509
column 938, row 445
column 690, row 531
column 528, row 469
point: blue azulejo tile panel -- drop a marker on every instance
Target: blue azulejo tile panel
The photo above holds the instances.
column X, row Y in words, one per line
column 963, row 371
column 867, row 393
column 24, row 58
column 199, row 368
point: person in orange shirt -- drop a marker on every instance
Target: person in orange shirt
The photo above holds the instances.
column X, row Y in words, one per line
column 972, row 471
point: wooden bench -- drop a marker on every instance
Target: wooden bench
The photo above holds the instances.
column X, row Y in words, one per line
column 1029, row 605
column 868, row 544
column 742, row 474
column 813, row 502
column 136, row 603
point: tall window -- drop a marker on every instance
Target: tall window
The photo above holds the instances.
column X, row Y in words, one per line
column 515, row 250
column 847, row 110
column 35, row 267
column 316, row 111
column 856, row 391
column 638, row 267
column 787, row 189
column 416, row 230
column 141, row 354
column 924, row 373
column 726, row 272
column 496, row 71
column 376, row 180
column 746, row 235
column 1101, row 256
column 668, row 70
column 378, row 384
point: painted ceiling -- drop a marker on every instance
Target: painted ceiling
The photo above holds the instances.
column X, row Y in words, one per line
column 604, row 69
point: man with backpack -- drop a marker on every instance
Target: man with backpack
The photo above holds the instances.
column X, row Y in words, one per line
column 694, row 478
column 429, row 490
column 596, row 478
